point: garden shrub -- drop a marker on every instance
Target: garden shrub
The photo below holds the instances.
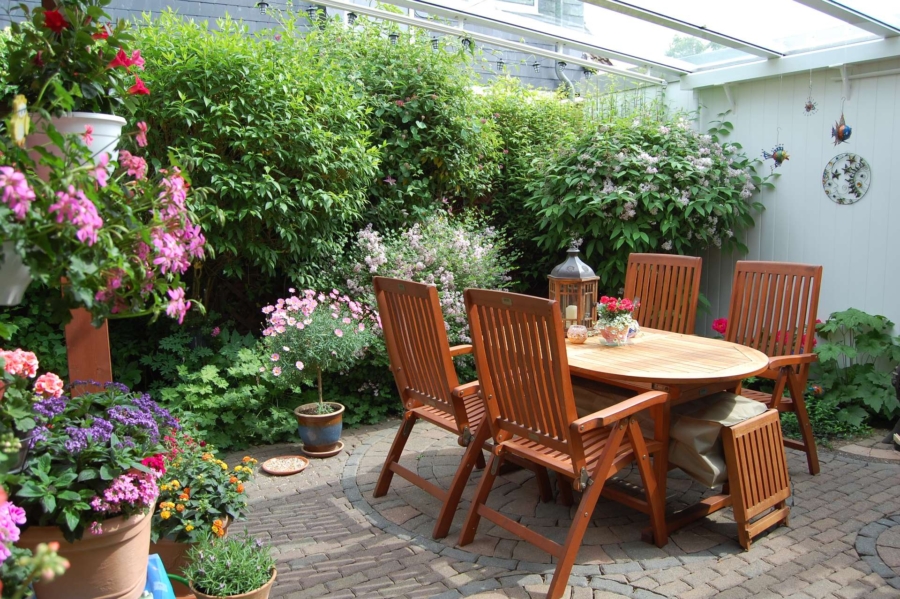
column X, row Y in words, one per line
column 277, row 136
column 211, row 381
column 532, row 125
column 854, row 367
column 644, row 183
column 422, row 114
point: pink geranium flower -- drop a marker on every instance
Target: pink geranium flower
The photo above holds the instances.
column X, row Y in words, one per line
column 88, row 136
column 141, row 137
column 19, row 362
column 177, row 307
column 75, row 207
column 48, row 385
column 17, row 193
column 100, row 172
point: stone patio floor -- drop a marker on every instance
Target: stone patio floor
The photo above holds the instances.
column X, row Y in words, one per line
column 333, row 539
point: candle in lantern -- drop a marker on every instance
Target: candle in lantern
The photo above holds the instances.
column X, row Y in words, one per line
column 572, row 313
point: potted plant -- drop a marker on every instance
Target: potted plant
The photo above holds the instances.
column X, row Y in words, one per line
column 199, row 495
column 309, row 334
column 615, row 323
column 75, row 70
column 89, row 486
column 236, row 567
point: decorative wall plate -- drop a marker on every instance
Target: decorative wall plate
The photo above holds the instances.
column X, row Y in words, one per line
column 846, row 178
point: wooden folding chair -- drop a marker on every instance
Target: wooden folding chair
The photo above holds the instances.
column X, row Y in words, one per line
column 668, row 288
column 523, row 370
column 773, row 309
column 422, row 364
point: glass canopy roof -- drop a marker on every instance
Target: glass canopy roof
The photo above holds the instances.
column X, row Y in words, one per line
column 690, row 35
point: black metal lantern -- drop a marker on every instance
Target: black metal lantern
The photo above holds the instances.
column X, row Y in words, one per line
column 536, row 66
column 351, row 18
column 435, row 43
column 394, row 37
column 562, row 65
column 588, row 73
column 501, row 66
column 262, row 6
column 311, row 11
column 574, row 285
column 466, row 43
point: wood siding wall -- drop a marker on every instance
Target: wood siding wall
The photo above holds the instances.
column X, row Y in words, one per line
column 858, row 245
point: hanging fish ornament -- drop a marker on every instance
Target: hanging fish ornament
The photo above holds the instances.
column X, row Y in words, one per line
column 19, row 121
column 778, row 155
column 841, row 131
column 811, row 107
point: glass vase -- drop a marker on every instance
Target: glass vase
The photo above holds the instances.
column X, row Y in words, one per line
column 618, row 334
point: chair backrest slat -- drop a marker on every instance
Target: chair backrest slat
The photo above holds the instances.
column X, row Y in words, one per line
column 668, row 288
column 773, row 306
column 522, row 366
column 416, row 341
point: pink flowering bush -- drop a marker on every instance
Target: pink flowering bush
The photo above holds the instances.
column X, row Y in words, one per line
column 312, row 333
column 121, row 238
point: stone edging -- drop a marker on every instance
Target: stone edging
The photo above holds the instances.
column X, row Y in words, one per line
column 867, row 548
column 582, row 575
column 870, row 454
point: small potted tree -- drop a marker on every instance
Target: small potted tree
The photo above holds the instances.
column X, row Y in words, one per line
column 236, row 567
column 309, row 334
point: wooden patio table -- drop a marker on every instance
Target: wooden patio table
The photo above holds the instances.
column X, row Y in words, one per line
column 688, row 367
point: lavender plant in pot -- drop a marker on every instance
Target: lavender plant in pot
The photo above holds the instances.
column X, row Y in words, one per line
column 234, row 567
column 309, row 334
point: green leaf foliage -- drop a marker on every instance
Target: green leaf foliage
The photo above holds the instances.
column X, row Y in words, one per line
column 854, row 365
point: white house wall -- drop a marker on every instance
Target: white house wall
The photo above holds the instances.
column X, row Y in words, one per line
column 858, row 245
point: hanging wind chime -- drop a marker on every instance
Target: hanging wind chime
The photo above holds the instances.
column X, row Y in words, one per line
column 778, row 155
column 810, row 107
column 841, row 131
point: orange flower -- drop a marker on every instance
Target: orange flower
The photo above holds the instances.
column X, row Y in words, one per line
column 179, row 508
column 233, row 479
column 218, row 523
column 240, row 488
column 184, row 497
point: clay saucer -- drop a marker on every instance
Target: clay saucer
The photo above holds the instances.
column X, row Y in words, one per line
column 325, row 454
column 285, row 465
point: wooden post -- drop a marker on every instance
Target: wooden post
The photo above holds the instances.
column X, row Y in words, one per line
column 87, row 349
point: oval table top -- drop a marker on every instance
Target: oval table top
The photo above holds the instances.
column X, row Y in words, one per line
column 666, row 358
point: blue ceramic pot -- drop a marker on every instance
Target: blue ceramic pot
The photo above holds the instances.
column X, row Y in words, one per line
column 319, row 433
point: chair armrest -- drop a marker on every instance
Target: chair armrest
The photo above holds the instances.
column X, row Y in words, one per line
column 779, row 362
column 467, row 390
column 621, row 410
column 460, row 350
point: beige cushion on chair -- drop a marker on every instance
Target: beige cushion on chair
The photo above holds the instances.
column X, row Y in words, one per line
column 695, row 443
column 593, row 396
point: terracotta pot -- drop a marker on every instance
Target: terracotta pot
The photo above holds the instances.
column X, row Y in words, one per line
column 260, row 593
column 112, row 565
column 320, row 433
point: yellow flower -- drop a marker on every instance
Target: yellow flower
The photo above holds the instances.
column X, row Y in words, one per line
column 238, row 468
column 175, row 485
column 224, row 466
column 165, row 515
column 164, row 487
column 189, row 528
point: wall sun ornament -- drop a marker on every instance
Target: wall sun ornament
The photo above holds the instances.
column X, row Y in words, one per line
column 846, row 178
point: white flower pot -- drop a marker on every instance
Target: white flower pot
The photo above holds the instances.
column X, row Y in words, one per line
column 14, row 276
column 107, row 131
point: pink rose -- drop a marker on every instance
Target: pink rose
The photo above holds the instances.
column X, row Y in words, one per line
column 720, row 325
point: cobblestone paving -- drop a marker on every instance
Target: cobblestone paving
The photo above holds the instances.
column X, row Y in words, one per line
column 333, row 539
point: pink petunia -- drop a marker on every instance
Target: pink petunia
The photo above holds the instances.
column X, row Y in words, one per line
column 177, row 307
column 17, row 193
column 141, row 137
column 100, row 172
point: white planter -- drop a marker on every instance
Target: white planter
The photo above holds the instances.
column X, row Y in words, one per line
column 14, row 276
column 107, row 131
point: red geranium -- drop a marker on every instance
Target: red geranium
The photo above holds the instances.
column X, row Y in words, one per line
column 155, row 462
column 54, row 21
column 720, row 325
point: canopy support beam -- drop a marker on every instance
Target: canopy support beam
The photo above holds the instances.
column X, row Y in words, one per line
column 856, row 18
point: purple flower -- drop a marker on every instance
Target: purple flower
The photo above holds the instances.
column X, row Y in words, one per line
column 390, row 180
column 79, row 438
column 50, row 407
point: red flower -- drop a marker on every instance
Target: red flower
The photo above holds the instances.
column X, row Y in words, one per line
column 102, row 34
column 39, row 58
column 155, row 462
column 121, row 60
column 54, row 21
column 138, row 88
column 202, row 443
column 720, row 325
column 626, row 304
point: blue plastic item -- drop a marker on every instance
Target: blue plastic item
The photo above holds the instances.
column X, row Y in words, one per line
column 158, row 584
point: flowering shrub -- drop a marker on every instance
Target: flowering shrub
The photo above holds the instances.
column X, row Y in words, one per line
column 85, row 463
column 453, row 253
column 198, row 493
column 229, row 567
column 74, row 52
column 641, row 184
column 315, row 333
